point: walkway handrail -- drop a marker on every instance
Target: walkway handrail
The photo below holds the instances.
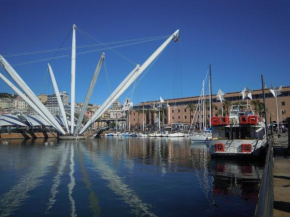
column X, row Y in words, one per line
column 265, row 206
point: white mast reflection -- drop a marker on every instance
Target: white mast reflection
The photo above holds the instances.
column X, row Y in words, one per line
column 10, row 201
column 72, row 183
column 56, row 180
column 117, row 185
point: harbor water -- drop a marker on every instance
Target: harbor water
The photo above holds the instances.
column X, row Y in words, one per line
column 123, row 177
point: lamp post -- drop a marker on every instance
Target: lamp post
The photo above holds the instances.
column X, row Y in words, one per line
column 276, row 92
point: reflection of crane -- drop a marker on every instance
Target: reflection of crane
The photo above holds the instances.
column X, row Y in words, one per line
column 202, row 160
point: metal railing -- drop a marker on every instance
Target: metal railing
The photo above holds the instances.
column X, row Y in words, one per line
column 265, row 205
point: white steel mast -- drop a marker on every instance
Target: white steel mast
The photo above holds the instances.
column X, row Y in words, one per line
column 56, row 90
column 73, row 74
column 25, row 98
column 203, row 107
column 128, row 81
column 13, row 74
column 210, row 95
column 89, row 94
column 143, row 120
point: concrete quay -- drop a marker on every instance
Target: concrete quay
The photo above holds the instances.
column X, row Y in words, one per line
column 281, row 176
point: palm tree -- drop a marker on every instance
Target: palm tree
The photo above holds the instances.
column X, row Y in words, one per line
column 256, row 103
column 227, row 104
column 163, row 114
column 191, row 107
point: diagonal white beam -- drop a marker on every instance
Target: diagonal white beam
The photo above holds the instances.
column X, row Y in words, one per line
column 60, row 104
column 89, row 94
column 128, row 81
column 25, row 98
column 13, row 74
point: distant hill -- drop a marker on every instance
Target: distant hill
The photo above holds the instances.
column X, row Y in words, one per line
column 8, row 95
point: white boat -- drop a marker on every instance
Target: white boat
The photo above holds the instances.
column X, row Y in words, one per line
column 155, row 134
column 177, row 134
column 201, row 136
column 142, row 135
column 240, row 134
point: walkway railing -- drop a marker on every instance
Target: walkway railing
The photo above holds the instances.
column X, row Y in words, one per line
column 265, row 204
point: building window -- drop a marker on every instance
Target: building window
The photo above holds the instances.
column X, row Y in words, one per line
column 283, row 103
column 178, row 110
column 184, row 110
column 185, row 117
column 172, row 117
column 172, row 111
column 191, row 116
column 178, row 117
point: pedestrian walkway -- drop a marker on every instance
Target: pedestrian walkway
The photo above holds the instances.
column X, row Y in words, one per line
column 281, row 176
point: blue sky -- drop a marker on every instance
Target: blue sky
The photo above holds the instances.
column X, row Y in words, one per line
column 240, row 39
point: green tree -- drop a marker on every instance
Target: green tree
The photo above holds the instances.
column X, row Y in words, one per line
column 191, row 107
column 227, row 105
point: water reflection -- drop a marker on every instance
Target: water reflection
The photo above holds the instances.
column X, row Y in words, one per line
column 72, row 182
column 116, row 183
column 42, row 160
column 57, row 179
column 137, row 177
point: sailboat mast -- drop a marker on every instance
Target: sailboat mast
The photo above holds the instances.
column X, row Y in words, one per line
column 210, row 97
column 203, row 106
column 73, row 74
column 143, row 119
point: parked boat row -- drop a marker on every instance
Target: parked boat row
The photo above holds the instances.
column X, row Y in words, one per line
column 154, row 134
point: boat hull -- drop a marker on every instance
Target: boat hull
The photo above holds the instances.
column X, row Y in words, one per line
column 234, row 147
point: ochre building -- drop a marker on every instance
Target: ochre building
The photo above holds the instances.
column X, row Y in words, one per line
column 182, row 111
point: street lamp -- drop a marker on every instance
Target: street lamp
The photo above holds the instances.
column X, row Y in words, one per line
column 276, row 92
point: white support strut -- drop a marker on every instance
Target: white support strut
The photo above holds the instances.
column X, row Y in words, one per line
column 56, row 90
column 73, row 75
column 89, row 93
column 128, row 81
column 13, row 74
column 25, row 98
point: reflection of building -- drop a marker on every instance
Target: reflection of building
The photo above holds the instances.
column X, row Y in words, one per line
column 178, row 110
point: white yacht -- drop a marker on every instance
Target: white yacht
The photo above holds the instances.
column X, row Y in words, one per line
column 240, row 134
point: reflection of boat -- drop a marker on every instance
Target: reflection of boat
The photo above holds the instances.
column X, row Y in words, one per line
column 237, row 178
column 240, row 134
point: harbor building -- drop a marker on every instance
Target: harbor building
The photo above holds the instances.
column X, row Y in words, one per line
column 179, row 113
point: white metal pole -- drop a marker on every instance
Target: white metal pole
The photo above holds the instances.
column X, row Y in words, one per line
column 89, row 93
column 25, row 98
column 209, row 100
column 143, row 119
column 13, row 74
column 159, row 119
column 278, row 129
column 73, row 73
column 203, row 107
column 128, row 81
column 56, row 90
